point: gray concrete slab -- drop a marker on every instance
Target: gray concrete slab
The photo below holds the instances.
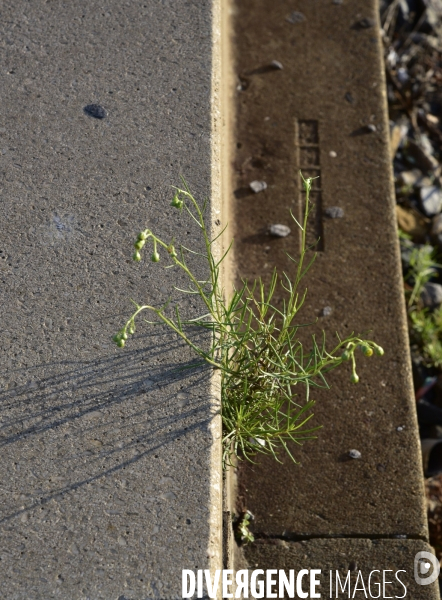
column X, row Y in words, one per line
column 360, row 557
column 109, row 464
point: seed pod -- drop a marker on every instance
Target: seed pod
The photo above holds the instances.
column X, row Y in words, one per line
column 177, row 202
column 139, row 244
column 354, row 378
column 142, row 236
column 116, row 338
column 378, row 350
column 131, row 329
column 366, row 350
column 136, row 256
column 124, row 336
column 171, row 250
column 307, row 184
column 121, row 343
column 346, row 355
column 155, row 257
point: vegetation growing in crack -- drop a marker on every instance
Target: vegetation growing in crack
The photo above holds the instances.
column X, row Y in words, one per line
column 425, row 325
column 255, row 345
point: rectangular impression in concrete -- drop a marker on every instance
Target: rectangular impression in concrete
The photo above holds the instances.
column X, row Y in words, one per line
column 365, row 568
column 325, row 112
column 110, row 463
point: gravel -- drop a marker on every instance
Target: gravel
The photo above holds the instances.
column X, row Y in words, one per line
column 334, row 212
column 431, row 295
column 278, row 230
column 257, row 186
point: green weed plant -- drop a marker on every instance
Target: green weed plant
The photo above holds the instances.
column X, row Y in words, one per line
column 425, row 325
column 266, row 372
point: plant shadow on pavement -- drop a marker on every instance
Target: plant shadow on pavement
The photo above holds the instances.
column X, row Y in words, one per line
column 102, row 394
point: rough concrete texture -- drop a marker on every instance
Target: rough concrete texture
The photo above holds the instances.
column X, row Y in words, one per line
column 106, row 462
column 359, row 557
column 333, row 81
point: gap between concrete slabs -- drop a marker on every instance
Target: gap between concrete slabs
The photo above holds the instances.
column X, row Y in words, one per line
column 325, row 112
column 110, row 470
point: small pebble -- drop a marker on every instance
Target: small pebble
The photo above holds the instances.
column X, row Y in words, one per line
column 332, row 154
column 295, row 17
column 327, row 311
column 257, row 186
column 431, row 295
column 431, row 198
column 349, row 98
column 402, row 75
column 334, row 212
column 354, row 454
column 95, row 110
column 366, row 23
column 400, row 428
column 276, row 64
column 409, row 178
column 436, row 225
column 353, row 566
column 370, row 127
column 279, row 230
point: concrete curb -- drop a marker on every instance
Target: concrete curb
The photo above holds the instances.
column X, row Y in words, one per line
column 326, row 113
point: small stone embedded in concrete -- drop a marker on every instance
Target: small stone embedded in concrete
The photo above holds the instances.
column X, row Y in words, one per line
column 400, row 428
column 332, row 154
column 334, row 212
column 355, row 454
column 371, row 128
column 168, row 496
column 276, row 64
column 95, row 110
column 295, row 17
column 431, row 295
column 257, row 186
column 349, row 98
column 353, row 566
column 366, row 23
column 431, row 198
column 327, row 311
column 279, row 230
column 338, row 2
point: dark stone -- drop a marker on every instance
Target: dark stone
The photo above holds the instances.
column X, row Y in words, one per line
column 431, row 295
column 365, row 24
column 95, row 110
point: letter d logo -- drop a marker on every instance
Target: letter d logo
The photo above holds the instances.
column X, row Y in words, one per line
column 426, row 568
